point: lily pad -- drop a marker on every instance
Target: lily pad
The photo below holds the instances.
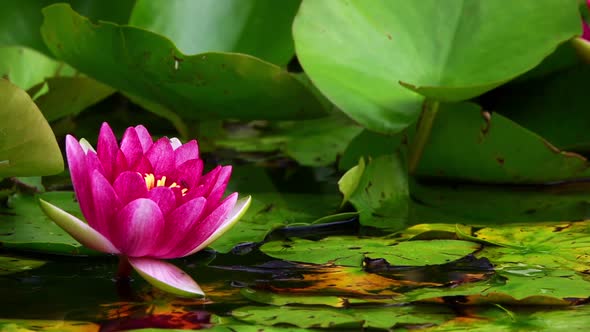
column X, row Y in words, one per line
column 36, row 325
column 25, row 226
column 148, row 65
column 473, row 145
column 448, row 51
column 27, row 144
column 273, row 210
column 548, row 288
column 357, row 319
column 351, row 251
column 261, row 28
column 14, row 264
column 563, row 246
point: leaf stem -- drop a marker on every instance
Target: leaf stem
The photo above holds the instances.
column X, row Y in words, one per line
column 429, row 110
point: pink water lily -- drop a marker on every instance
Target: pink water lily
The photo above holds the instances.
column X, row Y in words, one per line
column 147, row 201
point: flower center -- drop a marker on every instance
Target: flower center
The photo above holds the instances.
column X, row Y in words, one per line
column 151, row 182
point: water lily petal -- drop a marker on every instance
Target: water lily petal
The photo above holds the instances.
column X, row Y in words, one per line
column 189, row 173
column 131, row 147
column 121, row 165
column 107, row 149
column 106, row 203
column 144, row 138
column 239, row 209
column 218, row 189
column 179, row 224
column 86, row 146
column 78, row 229
column 93, row 163
column 80, row 176
column 161, row 156
column 136, row 226
column 206, row 183
column 144, row 166
column 164, row 197
column 175, row 143
column 166, row 277
column 130, row 186
column 188, row 151
column 203, row 229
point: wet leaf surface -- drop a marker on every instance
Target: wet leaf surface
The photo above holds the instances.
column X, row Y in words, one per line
column 14, row 264
column 351, row 251
column 25, row 226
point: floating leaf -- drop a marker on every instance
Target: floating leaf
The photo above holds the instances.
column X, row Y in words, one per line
column 25, row 226
column 261, row 28
column 450, row 51
column 148, row 65
column 272, row 210
column 321, row 317
column 351, row 251
column 13, row 264
column 27, row 144
column 563, row 246
column 36, row 325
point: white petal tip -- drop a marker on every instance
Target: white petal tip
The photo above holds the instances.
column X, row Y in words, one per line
column 78, row 229
column 166, row 277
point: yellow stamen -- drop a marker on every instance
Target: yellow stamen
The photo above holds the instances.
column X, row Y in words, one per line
column 151, row 182
column 161, row 182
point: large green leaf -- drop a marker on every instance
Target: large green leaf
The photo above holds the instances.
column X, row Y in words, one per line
column 261, row 28
column 145, row 64
column 379, row 191
column 351, row 251
column 466, row 143
column 25, row 67
column 368, row 144
column 27, row 144
column 20, row 20
column 539, row 104
column 357, row 52
column 25, row 227
column 493, row 205
column 68, row 96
